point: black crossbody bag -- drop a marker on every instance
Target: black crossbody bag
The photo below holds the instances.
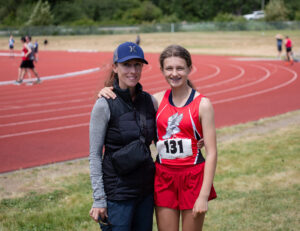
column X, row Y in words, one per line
column 134, row 154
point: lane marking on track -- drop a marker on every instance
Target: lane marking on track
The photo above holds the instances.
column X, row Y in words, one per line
column 51, row 77
column 266, row 76
column 295, row 76
column 218, row 70
column 43, row 130
column 241, row 74
column 47, row 104
column 46, row 111
column 45, row 120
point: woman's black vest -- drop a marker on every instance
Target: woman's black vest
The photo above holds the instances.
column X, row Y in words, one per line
column 122, row 129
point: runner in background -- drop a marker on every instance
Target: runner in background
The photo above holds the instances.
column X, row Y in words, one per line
column 25, row 61
column 36, row 50
column 279, row 39
column 32, row 58
column 11, row 43
column 288, row 48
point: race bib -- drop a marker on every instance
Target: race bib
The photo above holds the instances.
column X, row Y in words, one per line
column 174, row 148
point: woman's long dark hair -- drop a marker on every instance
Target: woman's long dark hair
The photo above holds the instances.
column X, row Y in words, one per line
column 176, row 51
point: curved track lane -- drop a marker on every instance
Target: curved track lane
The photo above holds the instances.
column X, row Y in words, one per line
column 47, row 123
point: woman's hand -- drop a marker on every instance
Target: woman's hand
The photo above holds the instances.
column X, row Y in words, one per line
column 107, row 92
column 200, row 143
column 200, row 206
column 96, row 212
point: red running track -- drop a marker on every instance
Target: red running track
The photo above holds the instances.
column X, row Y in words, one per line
column 48, row 123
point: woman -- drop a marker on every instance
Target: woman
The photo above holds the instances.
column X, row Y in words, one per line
column 122, row 201
column 183, row 179
column 26, row 50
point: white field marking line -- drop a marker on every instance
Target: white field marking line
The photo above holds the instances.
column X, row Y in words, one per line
column 9, row 54
column 82, row 51
column 51, row 77
column 266, row 76
column 44, row 120
column 55, row 93
column 43, row 130
column 218, row 70
column 88, row 85
column 47, row 104
column 295, row 76
column 53, row 96
column 46, row 111
column 242, row 72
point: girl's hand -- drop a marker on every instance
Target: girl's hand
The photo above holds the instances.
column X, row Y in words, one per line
column 200, row 206
column 96, row 212
column 107, row 92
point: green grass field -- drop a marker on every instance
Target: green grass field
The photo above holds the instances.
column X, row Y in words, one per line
column 257, row 182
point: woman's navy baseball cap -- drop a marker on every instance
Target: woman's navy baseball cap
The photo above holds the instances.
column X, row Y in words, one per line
column 127, row 51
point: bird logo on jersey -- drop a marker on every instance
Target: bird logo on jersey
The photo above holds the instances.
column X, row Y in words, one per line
column 173, row 123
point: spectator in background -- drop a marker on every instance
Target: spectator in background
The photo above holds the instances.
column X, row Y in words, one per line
column 36, row 50
column 31, row 60
column 288, row 47
column 279, row 39
column 25, row 61
column 45, row 42
column 11, row 43
column 138, row 40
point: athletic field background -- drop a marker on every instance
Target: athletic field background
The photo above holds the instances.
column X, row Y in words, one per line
column 257, row 178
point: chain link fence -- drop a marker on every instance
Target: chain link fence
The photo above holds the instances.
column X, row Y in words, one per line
column 152, row 28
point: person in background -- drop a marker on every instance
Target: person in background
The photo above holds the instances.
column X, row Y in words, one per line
column 36, row 50
column 32, row 58
column 183, row 178
column 279, row 39
column 26, row 50
column 138, row 40
column 122, row 202
column 11, row 43
column 288, row 48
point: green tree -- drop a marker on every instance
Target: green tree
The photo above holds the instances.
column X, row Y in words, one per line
column 41, row 15
column 276, row 11
column 146, row 12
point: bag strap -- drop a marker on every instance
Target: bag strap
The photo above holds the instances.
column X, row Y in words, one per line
column 143, row 121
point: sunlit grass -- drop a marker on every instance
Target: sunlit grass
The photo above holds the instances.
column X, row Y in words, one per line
column 257, row 182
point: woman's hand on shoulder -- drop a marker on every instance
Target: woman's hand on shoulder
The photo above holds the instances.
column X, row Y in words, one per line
column 158, row 98
column 107, row 92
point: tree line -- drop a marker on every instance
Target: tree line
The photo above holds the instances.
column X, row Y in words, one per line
column 19, row 13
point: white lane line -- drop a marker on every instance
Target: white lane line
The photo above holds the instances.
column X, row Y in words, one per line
column 218, row 70
column 9, row 54
column 266, row 76
column 47, row 104
column 44, row 120
column 66, row 75
column 295, row 76
column 46, row 111
column 242, row 72
column 43, row 130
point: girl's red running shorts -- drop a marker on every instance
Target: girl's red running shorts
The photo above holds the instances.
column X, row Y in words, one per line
column 177, row 187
